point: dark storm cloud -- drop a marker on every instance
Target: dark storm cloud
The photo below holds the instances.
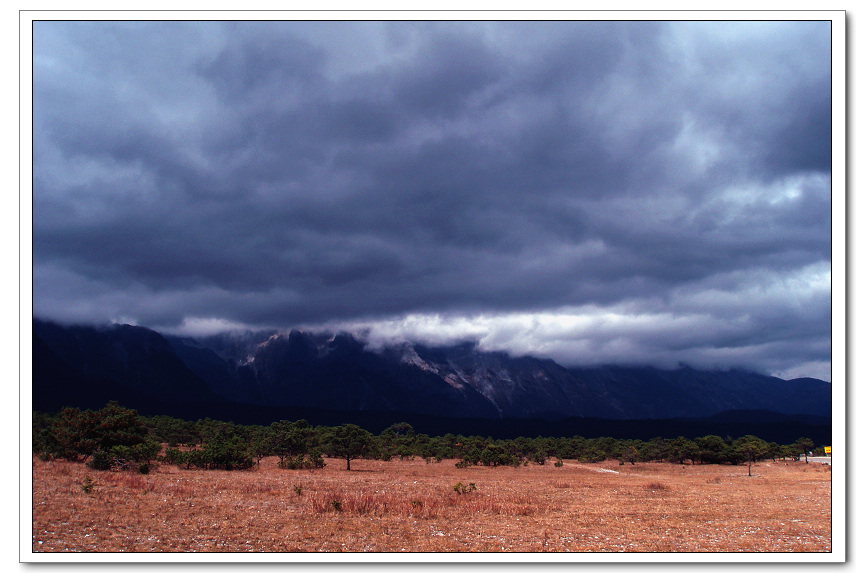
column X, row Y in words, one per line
column 597, row 191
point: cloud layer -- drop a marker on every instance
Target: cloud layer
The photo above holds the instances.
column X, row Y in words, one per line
column 591, row 191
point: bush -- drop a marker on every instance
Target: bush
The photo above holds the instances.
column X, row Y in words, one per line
column 316, row 461
column 101, row 461
column 313, row 461
column 226, row 453
column 112, row 432
column 461, row 488
column 175, row 457
column 292, row 462
column 472, row 457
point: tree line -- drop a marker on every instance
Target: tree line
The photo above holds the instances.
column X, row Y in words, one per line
column 116, row 437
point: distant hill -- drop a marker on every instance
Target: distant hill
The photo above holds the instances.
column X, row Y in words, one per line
column 259, row 376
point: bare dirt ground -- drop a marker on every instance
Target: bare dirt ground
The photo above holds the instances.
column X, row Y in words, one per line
column 411, row 506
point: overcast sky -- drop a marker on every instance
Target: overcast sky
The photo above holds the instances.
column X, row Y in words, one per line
column 595, row 192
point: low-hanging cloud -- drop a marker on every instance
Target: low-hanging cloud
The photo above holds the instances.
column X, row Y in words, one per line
column 630, row 192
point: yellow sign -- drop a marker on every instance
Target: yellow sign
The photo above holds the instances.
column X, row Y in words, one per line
column 828, row 449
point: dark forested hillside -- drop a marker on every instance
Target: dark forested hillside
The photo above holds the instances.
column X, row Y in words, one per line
column 335, row 378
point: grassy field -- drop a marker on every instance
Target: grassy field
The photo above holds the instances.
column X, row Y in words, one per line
column 412, row 506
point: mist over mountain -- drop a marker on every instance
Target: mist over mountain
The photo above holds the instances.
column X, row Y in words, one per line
column 273, row 373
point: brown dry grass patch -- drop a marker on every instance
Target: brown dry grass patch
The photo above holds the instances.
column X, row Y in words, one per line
column 411, row 506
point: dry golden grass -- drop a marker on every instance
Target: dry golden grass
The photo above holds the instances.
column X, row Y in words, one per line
column 411, row 506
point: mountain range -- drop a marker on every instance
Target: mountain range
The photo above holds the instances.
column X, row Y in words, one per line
column 256, row 376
